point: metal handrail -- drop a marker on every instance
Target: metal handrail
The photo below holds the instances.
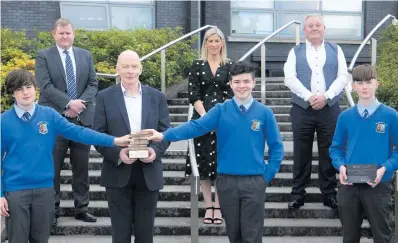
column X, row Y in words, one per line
column 262, row 45
column 192, row 157
column 396, row 205
column 195, row 183
column 347, row 89
column 106, row 75
column 175, row 41
column 162, row 51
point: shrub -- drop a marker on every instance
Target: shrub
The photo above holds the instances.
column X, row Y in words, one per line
column 106, row 46
column 13, row 56
column 17, row 51
column 387, row 67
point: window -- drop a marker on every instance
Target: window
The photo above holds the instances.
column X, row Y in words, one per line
column 343, row 18
column 107, row 14
column 252, row 22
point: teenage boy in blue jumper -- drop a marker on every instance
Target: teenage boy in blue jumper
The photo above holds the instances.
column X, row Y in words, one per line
column 28, row 133
column 366, row 134
column 243, row 125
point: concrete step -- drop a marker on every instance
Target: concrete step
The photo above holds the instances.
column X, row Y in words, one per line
column 255, row 94
column 183, row 109
column 270, row 80
column 277, row 109
column 202, row 239
column 182, row 193
column 182, row 151
column 179, row 148
column 183, row 209
column 269, row 101
column 283, row 126
column 179, row 178
column 275, row 86
column 181, row 226
column 184, row 117
column 178, row 164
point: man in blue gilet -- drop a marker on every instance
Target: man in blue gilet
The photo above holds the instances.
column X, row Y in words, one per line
column 316, row 73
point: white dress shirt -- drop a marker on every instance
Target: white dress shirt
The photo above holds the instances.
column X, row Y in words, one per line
column 316, row 58
column 134, row 109
column 63, row 59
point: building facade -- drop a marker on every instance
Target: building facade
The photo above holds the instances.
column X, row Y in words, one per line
column 244, row 23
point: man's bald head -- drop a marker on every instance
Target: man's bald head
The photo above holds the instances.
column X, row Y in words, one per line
column 129, row 55
column 129, row 67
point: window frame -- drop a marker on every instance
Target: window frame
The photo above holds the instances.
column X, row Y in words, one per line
column 276, row 13
column 108, row 4
column 135, row 6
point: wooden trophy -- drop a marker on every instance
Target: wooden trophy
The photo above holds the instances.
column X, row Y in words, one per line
column 138, row 148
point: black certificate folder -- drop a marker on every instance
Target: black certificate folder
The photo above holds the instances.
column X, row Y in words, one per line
column 361, row 173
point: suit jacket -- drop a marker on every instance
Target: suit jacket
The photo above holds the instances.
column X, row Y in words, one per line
column 111, row 117
column 50, row 75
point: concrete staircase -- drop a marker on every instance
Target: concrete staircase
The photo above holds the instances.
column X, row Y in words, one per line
column 313, row 223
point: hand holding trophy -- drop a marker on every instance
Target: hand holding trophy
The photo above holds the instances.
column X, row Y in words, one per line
column 138, row 147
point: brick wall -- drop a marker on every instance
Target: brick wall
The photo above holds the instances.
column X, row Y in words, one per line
column 375, row 11
column 29, row 15
column 172, row 14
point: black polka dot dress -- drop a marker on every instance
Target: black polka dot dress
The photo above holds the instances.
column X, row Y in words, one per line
column 210, row 89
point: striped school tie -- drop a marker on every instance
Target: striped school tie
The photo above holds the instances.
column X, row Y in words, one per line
column 242, row 108
column 26, row 116
column 70, row 77
column 365, row 113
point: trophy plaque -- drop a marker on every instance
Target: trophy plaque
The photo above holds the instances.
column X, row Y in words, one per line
column 361, row 173
column 138, row 148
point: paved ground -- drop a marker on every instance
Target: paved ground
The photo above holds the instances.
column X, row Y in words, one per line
column 213, row 239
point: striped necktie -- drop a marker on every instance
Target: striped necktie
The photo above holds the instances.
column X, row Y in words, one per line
column 70, row 77
column 26, row 116
column 365, row 113
column 242, row 108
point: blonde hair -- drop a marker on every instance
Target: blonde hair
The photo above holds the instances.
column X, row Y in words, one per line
column 223, row 54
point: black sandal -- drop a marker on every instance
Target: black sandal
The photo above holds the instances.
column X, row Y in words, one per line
column 217, row 220
column 209, row 220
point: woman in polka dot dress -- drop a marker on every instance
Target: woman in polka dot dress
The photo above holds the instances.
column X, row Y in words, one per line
column 209, row 85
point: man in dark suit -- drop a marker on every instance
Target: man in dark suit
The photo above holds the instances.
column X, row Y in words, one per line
column 132, row 185
column 68, row 83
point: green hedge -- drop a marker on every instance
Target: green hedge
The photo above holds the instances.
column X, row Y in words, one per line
column 18, row 51
column 387, row 66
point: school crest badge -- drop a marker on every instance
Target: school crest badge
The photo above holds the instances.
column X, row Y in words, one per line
column 256, row 125
column 380, row 127
column 43, row 127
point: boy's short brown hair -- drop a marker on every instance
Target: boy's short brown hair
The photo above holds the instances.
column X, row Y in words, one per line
column 364, row 72
column 18, row 78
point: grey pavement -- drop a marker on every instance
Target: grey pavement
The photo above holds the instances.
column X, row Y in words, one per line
column 202, row 239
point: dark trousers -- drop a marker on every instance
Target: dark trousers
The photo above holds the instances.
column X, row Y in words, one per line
column 359, row 199
column 242, row 206
column 31, row 213
column 304, row 124
column 79, row 156
column 133, row 206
